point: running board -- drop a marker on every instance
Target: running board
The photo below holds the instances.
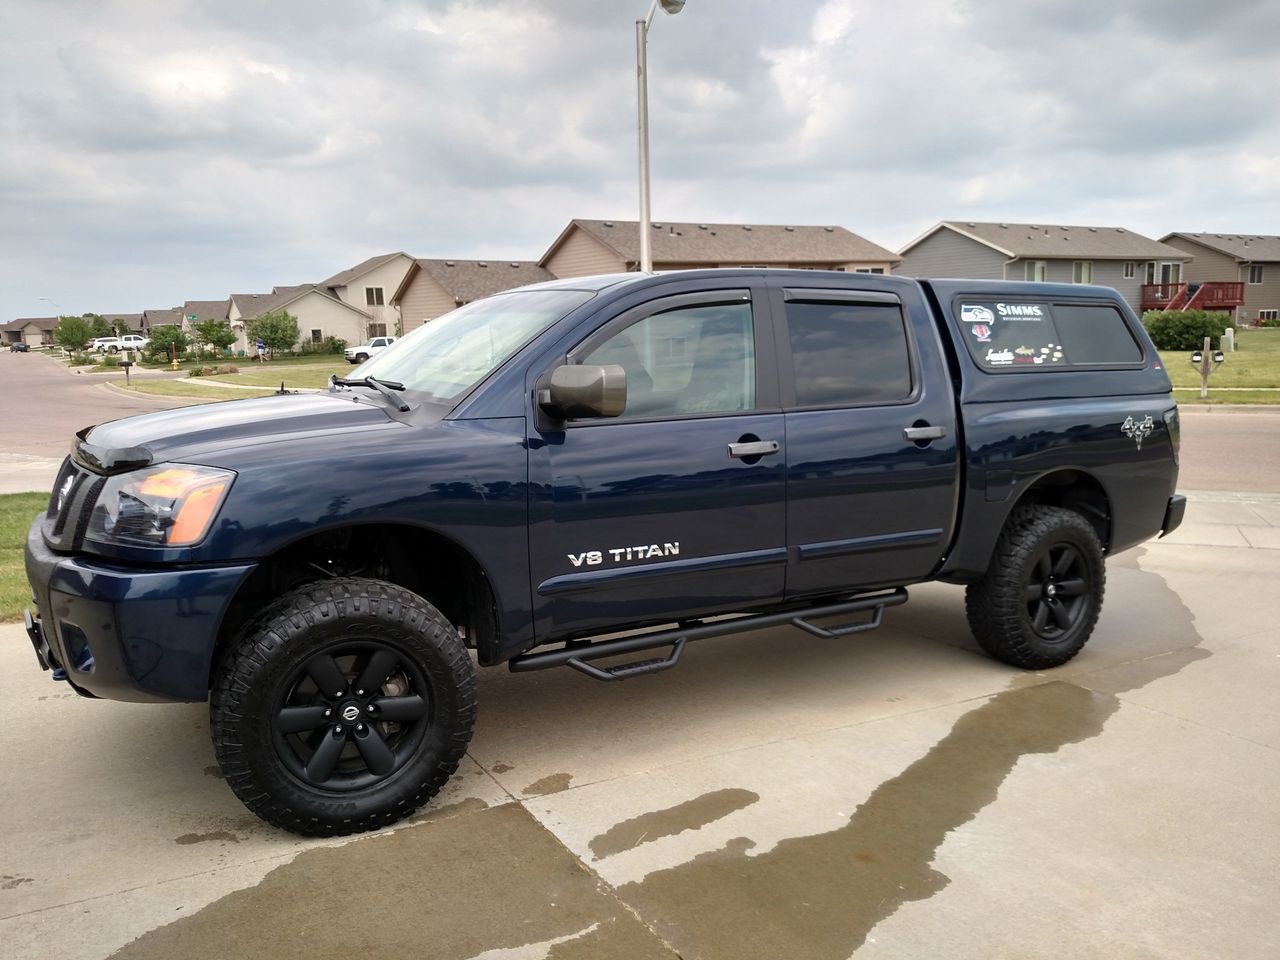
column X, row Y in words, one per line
column 578, row 653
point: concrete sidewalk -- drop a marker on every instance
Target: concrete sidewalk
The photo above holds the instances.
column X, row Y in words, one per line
column 897, row 795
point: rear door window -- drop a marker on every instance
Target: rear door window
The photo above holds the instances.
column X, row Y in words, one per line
column 848, row 353
column 1041, row 335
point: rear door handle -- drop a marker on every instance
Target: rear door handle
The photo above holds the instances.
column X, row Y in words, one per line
column 757, row 448
column 923, row 433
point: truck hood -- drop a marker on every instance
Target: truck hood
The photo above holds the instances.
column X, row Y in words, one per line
column 194, row 433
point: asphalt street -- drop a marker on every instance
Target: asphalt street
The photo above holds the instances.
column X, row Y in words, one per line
column 895, row 795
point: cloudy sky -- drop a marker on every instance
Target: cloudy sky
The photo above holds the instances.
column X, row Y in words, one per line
column 152, row 152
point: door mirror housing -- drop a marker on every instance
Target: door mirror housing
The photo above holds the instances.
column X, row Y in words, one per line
column 585, row 391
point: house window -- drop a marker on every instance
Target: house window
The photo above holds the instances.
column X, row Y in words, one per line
column 1268, row 314
column 1151, row 271
column 1035, row 271
column 868, row 269
column 377, row 330
column 317, row 336
column 752, row 266
column 1082, row 271
column 1255, row 273
column 373, row 296
column 1130, row 270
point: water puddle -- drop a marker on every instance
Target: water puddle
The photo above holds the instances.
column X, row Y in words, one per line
column 468, row 884
column 690, row 815
column 828, row 891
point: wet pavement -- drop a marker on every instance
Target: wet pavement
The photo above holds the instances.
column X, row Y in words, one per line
column 895, row 795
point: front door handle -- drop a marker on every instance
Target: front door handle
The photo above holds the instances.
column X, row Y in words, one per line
column 916, row 434
column 756, row 448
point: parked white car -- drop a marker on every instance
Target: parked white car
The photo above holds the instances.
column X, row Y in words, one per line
column 366, row 350
column 130, row 341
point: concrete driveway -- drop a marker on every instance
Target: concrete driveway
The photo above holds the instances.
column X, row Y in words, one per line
column 897, row 795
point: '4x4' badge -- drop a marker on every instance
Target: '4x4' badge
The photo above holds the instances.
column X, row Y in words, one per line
column 1137, row 430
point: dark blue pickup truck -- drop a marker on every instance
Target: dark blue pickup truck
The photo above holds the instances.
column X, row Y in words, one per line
column 638, row 454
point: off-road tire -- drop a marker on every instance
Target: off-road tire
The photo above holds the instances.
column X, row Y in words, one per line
column 263, row 667
column 1001, row 608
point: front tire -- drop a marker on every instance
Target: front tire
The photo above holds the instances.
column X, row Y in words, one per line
column 345, row 706
column 1037, row 605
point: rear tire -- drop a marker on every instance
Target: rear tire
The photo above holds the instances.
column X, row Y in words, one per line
column 1037, row 605
column 344, row 706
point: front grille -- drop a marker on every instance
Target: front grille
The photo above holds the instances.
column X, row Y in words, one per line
column 74, row 494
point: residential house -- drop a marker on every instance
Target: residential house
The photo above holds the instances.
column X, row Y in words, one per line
column 590, row 247
column 170, row 317
column 320, row 314
column 1112, row 256
column 368, row 287
column 1245, row 265
column 132, row 321
column 198, row 311
column 433, row 287
column 33, row 331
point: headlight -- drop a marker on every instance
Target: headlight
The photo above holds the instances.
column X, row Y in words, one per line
column 171, row 505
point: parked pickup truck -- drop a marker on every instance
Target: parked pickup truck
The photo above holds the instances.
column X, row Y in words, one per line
column 637, row 453
column 130, row 341
column 364, row 351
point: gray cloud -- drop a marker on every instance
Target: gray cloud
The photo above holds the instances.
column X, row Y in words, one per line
column 154, row 152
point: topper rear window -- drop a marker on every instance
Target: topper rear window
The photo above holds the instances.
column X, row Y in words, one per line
column 1040, row 335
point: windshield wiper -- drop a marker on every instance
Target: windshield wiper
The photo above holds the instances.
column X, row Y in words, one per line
column 384, row 387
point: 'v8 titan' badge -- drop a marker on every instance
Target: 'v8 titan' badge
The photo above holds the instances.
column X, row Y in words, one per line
column 1137, row 430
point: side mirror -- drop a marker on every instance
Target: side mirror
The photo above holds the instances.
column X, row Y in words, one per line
column 585, row 391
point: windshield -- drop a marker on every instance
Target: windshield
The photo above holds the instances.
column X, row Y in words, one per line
column 447, row 356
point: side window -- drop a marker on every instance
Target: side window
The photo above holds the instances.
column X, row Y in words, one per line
column 847, row 353
column 685, row 361
column 1095, row 334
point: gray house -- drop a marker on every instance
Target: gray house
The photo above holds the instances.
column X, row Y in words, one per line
column 1144, row 271
column 434, row 287
column 1246, row 267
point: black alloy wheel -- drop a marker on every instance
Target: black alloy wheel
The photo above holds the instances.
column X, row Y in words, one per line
column 352, row 715
column 1057, row 594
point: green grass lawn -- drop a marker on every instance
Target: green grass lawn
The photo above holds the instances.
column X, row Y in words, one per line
column 314, row 376
column 191, row 388
column 16, row 513
column 1254, row 363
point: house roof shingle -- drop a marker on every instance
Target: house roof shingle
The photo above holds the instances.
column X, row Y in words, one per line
column 132, row 320
column 207, row 309
column 42, row 323
column 736, row 243
column 160, row 318
column 344, row 277
column 467, row 280
column 1055, row 241
column 1245, row 247
column 253, row 305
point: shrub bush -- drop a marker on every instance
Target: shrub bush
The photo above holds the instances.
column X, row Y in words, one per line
column 82, row 359
column 110, row 360
column 228, row 368
column 327, row 345
column 1185, row 329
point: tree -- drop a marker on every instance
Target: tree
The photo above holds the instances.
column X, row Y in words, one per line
column 215, row 333
column 166, row 341
column 278, row 330
column 119, row 327
column 98, row 325
column 72, row 333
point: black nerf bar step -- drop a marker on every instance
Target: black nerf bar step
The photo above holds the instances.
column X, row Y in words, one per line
column 578, row 653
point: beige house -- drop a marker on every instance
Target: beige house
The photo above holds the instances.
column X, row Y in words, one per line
column 434, row 287
column 319, row 313
column 33, row 331
column 590, row 247
column 131, row 321
column 369, row 287
column 1247, row 262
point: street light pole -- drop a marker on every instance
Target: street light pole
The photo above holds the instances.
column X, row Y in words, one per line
column 54, row 302
column 642, row 117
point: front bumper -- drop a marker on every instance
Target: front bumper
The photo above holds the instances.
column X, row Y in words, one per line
column 124, row 633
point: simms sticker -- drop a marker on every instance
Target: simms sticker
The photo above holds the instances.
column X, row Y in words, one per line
column 1021, row 311
column 652, row 551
